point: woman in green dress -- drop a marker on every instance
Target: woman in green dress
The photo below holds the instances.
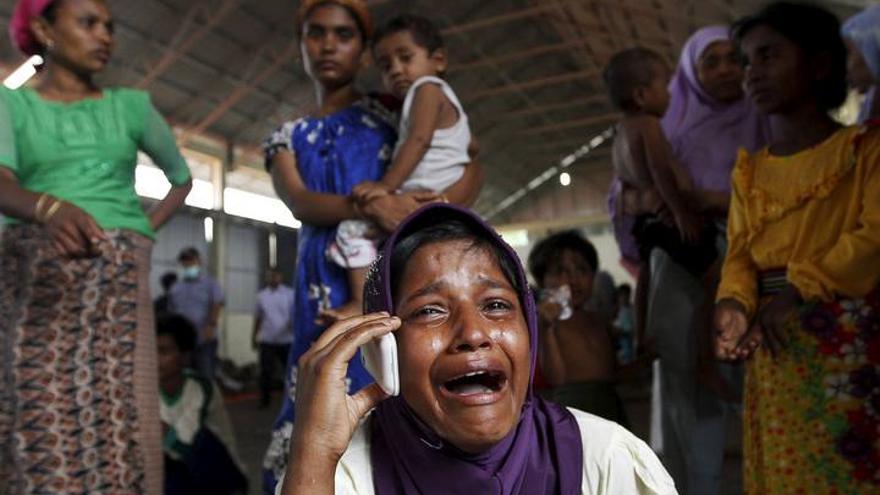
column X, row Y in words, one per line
column 78, row 375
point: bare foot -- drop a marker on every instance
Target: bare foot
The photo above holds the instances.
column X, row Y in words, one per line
column 347, row 310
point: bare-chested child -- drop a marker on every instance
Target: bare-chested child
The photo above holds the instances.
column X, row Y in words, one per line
column 655, row 185
column 576, row 354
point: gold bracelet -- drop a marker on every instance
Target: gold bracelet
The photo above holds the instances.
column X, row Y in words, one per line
column 52, row 210
column 38, row 206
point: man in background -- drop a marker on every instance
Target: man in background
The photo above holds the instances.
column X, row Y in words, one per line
column 199, row 298
column 272, row 333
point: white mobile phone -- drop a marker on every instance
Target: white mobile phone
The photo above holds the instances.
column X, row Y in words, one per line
column 380, row 358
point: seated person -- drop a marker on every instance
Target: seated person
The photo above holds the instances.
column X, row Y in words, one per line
column 466, row 419
column 576, row 353
column 198, row 442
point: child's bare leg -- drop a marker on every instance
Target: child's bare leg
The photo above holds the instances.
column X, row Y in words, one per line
column 357, row 277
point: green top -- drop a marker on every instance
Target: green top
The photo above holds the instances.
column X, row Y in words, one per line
column 85, row 152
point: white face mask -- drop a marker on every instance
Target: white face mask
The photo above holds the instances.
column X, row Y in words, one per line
column 190, row 272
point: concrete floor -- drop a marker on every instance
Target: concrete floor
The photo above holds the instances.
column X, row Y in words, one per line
column 253, row 425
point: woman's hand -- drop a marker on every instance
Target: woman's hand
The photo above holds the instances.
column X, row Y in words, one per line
column 388, row 211
column 74, row 232
column 326, row 416
column 549, row 311
column 770, row 322
column 731, row 323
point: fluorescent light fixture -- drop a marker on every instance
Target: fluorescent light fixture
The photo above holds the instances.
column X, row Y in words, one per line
column 564, row 178
column 150, row 182
column 209, row 229
column 258, row 207
column 23, row 73
column 202, row 195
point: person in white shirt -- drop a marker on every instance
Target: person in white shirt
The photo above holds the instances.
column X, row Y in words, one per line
column 272, row 333
column 466, row 419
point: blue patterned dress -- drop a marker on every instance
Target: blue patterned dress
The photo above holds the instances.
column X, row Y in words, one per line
column 333, row 153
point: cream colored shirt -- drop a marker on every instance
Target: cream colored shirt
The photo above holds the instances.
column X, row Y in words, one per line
column 615, row 462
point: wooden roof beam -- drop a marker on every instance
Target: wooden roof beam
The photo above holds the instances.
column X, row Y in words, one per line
column 493, row 21
column 244, row 89
column 550, row 107
column 583, row 75
column 595, row 120
column 176, row 48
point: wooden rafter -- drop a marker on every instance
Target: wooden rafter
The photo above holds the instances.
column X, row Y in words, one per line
column 176, row 48
column 243, row 89
column 534, row 83
column 551, row 107
column 571, row 124
column 497, row 20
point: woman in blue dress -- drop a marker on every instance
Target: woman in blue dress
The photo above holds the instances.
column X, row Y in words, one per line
column 315, row 162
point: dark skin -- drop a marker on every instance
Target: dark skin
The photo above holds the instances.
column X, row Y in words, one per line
column 332, row 53
column 77, row 46
column 579, row 348
column 456, row 311
column 778, row 79
column 720, row 73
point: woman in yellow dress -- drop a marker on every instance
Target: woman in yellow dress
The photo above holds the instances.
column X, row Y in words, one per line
column 798, row 297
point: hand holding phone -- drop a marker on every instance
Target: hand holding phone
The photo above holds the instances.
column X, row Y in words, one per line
column 379, row 356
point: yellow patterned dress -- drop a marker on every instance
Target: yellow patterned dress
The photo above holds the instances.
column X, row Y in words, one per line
column 812, row 416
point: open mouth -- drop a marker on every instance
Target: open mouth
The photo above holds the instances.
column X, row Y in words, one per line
column 476, row 382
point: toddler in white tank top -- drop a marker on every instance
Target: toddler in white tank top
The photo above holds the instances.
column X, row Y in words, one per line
column 433, row 140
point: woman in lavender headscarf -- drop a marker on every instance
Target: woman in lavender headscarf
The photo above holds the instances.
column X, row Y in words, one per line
column 708, row 120
column 861, row 33
column 466, row 420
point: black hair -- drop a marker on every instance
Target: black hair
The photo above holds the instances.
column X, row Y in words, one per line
column 628, row 71
column 188, row 254
column 167, row 280
column 814, row 30
column 50, row 13
column 450, row 230
column 180, row 329
column 624, row 288
column 548, row 251
column 424, row 33
column 362, row 30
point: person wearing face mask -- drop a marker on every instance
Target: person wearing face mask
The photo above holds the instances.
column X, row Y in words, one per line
column 199, row 298
column 78, row 381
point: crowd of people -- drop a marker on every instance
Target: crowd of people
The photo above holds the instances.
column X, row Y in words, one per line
column 748, row 214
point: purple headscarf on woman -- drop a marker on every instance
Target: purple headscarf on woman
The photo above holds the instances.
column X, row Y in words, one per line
column 543, row 454
column 705, row 134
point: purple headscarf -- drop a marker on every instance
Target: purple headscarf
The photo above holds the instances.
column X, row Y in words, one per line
column 863, row 29
column 704, row 133
column 543, row 454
